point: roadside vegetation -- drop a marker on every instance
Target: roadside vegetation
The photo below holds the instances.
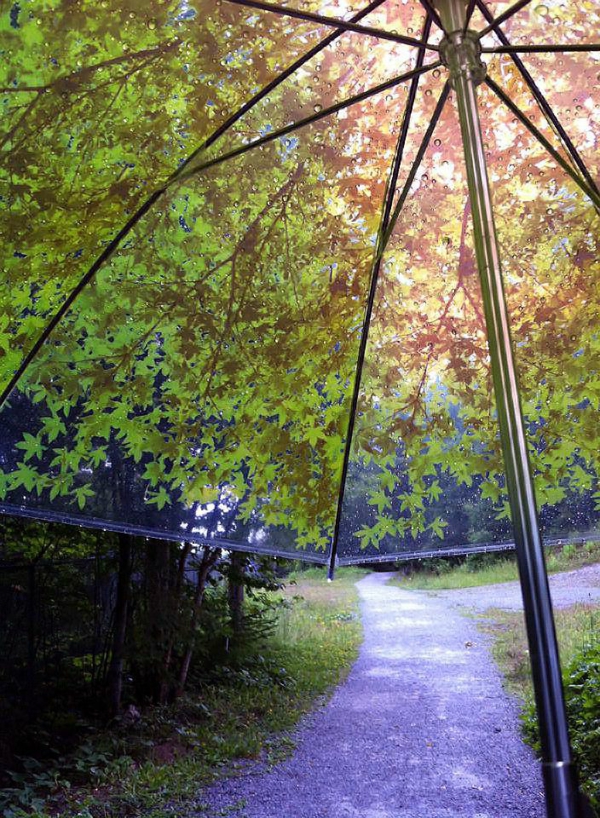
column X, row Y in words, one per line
column 578, row 631
column 246, row 691
column 488, row 569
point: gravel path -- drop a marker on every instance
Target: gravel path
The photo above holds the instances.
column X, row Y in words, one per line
column 420, row 729
column 568, row 588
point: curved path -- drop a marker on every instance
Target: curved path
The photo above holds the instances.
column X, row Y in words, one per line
column 420, row 729
column 568, row 588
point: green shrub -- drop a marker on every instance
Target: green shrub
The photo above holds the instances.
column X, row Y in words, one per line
column 581, row 679
column 479, row 562
column 569, row 550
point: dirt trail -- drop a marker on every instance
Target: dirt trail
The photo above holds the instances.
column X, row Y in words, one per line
column 420, row 729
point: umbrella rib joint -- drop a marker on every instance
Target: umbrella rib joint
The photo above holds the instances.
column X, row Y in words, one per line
column 461, row 53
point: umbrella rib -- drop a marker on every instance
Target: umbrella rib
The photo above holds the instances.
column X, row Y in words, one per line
column 309, row 120
column 501, row 18
column 470, row 10
column 388, row 202
column 589, row 192
column 431, row 11
column 553, row 48
column 415, row 166
column 541, row 100
column 408, row 111
column 275, row 83
column 311, row 17
column 177, row 177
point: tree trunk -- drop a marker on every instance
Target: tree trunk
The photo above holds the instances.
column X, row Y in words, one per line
column 158, row 618
column 115, row 668
column 236, row 591
column 174, row 604
column 209, row 557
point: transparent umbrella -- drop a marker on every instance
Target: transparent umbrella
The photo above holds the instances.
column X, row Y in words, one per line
column 253, row 292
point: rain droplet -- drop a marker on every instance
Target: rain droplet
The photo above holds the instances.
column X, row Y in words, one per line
column 318, row 108
column 437, row 142
column 541, row 9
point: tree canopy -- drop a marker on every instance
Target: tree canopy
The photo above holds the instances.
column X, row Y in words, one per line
column 206, row 369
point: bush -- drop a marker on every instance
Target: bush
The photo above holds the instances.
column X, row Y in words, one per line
column 479, row 562
column 569, row 550
column 581, row 679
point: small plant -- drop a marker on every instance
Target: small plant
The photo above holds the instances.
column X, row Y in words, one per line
column 32, row 785
column 581, row 679
column 591, row 547
column 569, row 550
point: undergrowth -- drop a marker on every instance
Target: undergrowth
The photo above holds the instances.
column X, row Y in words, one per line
column 153, row 763
column 579, row 643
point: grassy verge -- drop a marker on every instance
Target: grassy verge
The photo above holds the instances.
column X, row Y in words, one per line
column 576, row 627
column 246, row 710
column 578, row 635
column 491, row 569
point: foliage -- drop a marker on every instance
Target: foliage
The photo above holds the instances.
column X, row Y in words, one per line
column 577, row 631
column 581, row 680
column 237, row 709
column 212, row 394
column 87, row 633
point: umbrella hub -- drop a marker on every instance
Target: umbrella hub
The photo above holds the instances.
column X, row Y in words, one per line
column 461, row 54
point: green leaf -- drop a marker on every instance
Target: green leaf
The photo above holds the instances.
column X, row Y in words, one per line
column 160, row 499
column 31, row 445
column 81, row 494
column 437, row 526
column 490, row 490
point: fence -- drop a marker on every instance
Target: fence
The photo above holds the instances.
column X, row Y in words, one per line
column 463, row 550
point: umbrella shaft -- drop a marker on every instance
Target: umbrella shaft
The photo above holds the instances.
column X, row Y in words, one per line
column 556, row 751
column 512, row 432
column 461, row 54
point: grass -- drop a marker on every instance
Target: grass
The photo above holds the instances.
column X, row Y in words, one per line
column 575, row 627
column 579, row 646
column 247, row 711
column 491, row 569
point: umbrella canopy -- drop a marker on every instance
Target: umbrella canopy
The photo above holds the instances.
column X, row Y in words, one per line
column 247, row 300
column 204, row 206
